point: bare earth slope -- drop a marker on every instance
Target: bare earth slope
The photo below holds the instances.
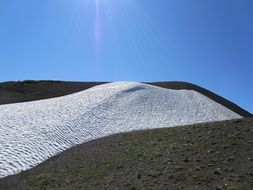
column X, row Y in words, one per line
column 13, row 92
column 215, row 155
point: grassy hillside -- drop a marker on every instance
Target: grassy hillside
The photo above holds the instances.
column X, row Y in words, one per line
column 215, row 155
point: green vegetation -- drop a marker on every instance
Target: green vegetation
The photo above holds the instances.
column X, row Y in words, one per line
column 204, row 177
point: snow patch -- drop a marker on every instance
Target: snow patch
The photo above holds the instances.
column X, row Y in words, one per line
column 32, row 132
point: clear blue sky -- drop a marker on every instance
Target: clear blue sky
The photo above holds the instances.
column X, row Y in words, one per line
column 209, row 43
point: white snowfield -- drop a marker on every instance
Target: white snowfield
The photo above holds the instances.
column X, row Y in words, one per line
column 32, row 132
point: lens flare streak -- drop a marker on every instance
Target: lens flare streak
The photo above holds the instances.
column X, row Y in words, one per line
column 97, row 32
column 97, row 23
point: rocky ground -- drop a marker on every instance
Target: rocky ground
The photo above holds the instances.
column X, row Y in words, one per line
column 215, row 155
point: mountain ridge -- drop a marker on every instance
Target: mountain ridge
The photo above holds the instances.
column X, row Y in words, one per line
column 30, row 90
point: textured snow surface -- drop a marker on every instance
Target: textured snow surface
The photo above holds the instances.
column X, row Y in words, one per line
column 32, row 132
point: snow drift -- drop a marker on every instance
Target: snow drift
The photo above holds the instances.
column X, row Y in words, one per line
column 32, row 132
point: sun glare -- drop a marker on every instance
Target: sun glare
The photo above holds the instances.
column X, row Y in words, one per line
column 97, row 22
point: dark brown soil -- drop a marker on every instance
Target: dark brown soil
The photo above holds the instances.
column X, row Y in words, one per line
column 13, row 92
column 215, row 155
column 23, row 91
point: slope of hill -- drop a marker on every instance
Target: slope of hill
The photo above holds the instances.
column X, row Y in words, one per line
column 216, row 155
column 13, row 92
column 32, row 132
column 189, row 86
